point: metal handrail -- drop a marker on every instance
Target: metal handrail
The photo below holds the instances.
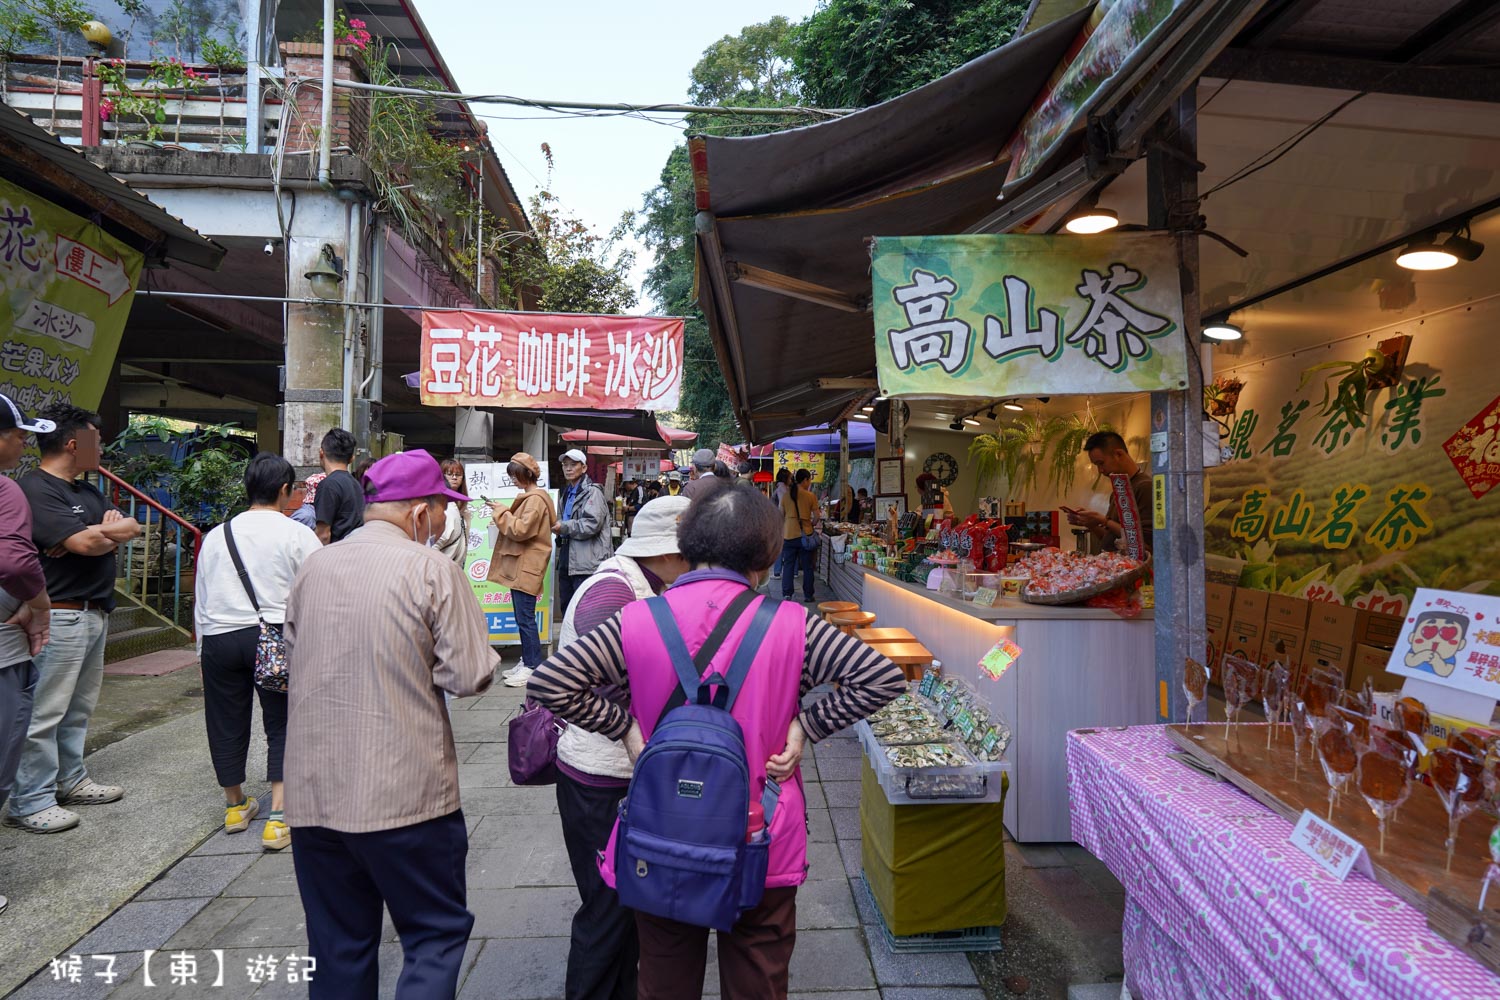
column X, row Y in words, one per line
column 137, row 572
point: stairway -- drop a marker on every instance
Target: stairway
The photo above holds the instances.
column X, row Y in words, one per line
column 135, row 630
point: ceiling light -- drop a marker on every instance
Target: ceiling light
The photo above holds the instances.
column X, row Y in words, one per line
column 957, row 425
column 867, row 409
column 991, row 414
column 1222, row 331
column 859, row 416
column 1425, row 255
column 1087, row 221
column 1014, row 406
column 1462, row 247
column 971, row 421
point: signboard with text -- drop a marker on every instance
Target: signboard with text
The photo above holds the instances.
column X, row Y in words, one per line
column 551, row 361
column 68, row 286
column 490, row 482
column 1009, row 315
column 812, row 461
column 1452, row 639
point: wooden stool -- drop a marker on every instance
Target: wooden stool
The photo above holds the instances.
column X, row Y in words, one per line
column 911, row 657
column 847, row 621
column 829, row 608
column 880, row 636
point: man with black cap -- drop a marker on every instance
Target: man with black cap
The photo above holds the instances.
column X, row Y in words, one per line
column 378, row 627
column 77, row 531
column 701, row 474
column 25, row 611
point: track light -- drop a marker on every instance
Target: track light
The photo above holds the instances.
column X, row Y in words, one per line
column 971, row 421
column 1425, row 253
column 1091, row 220
column 1222, row 331
column 991, row 414
column 957, row 425
column 1014, row 406
column 867, row 409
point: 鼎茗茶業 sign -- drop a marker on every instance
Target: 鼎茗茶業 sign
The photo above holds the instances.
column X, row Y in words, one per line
column 540, row 361
column 1007, row 315
column 68, row 290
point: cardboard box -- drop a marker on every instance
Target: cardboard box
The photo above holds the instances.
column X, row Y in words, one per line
column 1330, row 637
column 1369, row 663
column 1287, row 612
column 1376, row 629
column 1247, row 624
column 1220, row 603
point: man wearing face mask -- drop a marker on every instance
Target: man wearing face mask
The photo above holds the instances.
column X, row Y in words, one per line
column 378, row 627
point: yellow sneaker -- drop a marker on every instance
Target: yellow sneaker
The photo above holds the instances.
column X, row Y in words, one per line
column 276, row 836
column 237, row 818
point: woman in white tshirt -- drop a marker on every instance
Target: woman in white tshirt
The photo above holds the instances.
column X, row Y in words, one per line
column 271, row 546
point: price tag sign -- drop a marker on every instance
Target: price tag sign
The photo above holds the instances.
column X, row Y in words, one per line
column 999, row 659
column 964, row 722
column 994, row 740
column 929, row 682
column 985, row 597
column 1334, row 851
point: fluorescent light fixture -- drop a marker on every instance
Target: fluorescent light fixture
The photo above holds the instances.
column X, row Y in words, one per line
column 1087, row 221
column 1222, row 331
column 1014, row 406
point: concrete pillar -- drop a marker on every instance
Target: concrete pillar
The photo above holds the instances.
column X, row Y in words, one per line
column 534, row 442
column 314, row 358
column 473, row 435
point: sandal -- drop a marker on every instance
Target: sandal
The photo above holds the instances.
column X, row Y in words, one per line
column 53, row 819
column 89, row 792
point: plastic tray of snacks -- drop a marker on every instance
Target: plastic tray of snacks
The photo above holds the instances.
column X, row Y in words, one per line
column 965, row 779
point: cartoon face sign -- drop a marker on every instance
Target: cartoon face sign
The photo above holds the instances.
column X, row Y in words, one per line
column 1436, row 639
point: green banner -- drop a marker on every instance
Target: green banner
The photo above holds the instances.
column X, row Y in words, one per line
column 995, row 316
column 68, row 286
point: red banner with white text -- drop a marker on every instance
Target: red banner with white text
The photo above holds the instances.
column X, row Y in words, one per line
column 537, row 361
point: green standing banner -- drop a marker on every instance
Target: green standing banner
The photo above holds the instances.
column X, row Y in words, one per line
column 68, row 286
column 1008, row 315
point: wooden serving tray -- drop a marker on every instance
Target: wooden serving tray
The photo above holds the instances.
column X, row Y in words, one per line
column 1412, row 866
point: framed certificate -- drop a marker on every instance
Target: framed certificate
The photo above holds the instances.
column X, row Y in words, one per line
column 884, row 505
column 890, row 477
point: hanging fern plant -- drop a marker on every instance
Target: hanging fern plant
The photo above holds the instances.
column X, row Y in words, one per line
column 1014, row 450
column 1068, row 436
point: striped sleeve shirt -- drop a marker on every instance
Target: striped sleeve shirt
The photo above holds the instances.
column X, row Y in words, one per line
column 566, row 683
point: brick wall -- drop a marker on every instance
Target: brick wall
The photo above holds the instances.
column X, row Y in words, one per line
column 351, row 114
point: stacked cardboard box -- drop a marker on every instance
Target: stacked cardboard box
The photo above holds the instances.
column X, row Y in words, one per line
column 1220, row 604
column 1286, row 633
column 1375, row 635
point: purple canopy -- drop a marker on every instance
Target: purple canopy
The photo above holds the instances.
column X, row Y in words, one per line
column 821, row 439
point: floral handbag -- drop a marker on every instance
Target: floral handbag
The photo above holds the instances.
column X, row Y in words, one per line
column 270, row 645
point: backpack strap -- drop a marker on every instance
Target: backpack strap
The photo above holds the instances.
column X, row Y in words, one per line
column 690, row 668
column 239, row 566
column 739, row 667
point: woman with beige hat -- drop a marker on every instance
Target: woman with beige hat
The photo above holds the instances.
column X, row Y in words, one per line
column 523, row 548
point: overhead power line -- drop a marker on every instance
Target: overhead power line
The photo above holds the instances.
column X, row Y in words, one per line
column 566, row 106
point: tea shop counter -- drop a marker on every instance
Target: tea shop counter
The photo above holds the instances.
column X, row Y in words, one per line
column 1079, row 667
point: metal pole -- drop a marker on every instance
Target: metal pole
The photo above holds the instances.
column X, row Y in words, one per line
column 1172, row 200
column 479, row 248
column 325, row 132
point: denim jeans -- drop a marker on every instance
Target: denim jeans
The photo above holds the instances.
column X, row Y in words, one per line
column 792, row 553
column 17, row 685
column 69, row 670
column 531, row 644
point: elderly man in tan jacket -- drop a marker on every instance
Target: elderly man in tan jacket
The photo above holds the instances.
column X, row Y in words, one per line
column 523, row 548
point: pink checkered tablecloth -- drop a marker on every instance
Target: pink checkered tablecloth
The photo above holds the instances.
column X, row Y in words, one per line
column 1220, row 904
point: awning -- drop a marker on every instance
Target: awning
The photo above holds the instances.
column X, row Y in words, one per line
column 825, row 441
column 783, row 271
column 35, row 159
column 661, row 436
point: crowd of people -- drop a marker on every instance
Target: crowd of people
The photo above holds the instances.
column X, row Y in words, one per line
column 341, row 605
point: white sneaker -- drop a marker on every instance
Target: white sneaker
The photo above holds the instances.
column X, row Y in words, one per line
column 513, row 670
column 518, row 679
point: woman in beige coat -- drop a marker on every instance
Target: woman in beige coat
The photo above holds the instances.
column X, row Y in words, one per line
column 523, row 548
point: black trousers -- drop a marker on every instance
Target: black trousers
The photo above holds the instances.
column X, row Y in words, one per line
column 228, row 687
column 417, row 872
column 605, row 949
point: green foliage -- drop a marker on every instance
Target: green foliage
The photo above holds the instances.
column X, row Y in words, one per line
column 20, row 25
column 222, row 53
column 146, row 100
column 854, row 53
column 417, row 172
column 1351, row 392
column 206, row 488
column 1021, row 451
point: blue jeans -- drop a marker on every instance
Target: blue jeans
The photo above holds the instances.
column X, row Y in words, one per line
column 17, row 686
column 531, row 644
column 792, row 553
column 70, row 670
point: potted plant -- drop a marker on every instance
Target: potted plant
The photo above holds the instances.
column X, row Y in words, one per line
column 1348, row 385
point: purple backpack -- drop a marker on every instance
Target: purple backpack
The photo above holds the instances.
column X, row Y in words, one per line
column 681, row 851
column 533, row 745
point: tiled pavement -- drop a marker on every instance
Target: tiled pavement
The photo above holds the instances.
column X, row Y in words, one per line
column 228, row 896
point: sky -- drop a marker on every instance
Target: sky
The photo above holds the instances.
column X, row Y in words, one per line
column 589, row 50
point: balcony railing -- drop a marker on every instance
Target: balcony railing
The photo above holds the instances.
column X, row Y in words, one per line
column 158, row 567
column 209, row 117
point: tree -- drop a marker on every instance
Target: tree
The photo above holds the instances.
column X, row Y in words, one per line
column 855, row 53
column 567, row 266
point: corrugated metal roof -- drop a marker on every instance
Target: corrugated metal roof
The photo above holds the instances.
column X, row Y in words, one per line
column 34, row 149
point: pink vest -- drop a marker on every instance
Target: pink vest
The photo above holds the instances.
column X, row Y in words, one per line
column 765, row 707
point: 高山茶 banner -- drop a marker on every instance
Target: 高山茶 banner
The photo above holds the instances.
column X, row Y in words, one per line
column 68, row 286
column 1007, row 315
column 537, row 361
